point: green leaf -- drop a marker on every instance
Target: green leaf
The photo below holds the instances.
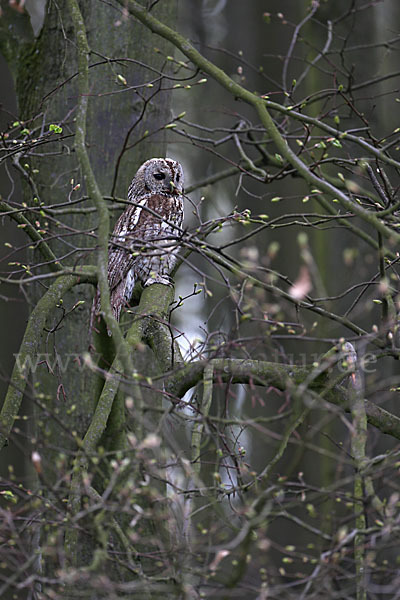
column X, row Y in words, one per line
column 9, row 496
column 55, row 128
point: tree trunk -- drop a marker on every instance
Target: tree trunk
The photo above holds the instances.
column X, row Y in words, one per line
column 123, row 103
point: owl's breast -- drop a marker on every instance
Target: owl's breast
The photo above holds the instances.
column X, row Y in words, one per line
column 157, row 210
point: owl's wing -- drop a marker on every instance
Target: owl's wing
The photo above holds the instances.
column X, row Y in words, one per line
column 120, row 259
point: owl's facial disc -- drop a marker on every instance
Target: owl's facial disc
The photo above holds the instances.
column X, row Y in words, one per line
column 163, row 176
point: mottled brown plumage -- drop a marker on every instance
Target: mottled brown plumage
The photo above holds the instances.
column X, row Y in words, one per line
column 145, row 240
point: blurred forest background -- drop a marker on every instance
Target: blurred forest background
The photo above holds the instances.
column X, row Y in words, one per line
column 304, row 251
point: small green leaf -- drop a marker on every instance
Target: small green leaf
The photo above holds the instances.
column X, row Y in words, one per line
column 311, row 510
column 9, row 496
column 121, row 79
column 55, row 128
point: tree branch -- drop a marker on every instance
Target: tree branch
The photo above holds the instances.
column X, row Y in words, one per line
column 280, row 376
column 30, row 343
column 44, row 248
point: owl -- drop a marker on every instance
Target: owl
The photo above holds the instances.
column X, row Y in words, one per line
column 145, row 241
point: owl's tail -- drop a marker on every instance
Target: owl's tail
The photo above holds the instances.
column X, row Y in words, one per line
column 117, row 299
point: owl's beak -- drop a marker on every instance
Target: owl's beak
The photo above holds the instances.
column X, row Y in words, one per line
column 173, row 189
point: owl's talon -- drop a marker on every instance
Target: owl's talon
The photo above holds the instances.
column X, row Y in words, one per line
column 161, row 280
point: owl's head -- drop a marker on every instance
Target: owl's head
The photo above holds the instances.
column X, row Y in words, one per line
column 160, row 176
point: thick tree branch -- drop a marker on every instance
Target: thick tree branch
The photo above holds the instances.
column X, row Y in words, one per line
column 30, row 343
column 280, row 376
column 154, row 306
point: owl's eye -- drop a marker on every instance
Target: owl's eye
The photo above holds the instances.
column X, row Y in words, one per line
column 159, row 176
column 178, row 177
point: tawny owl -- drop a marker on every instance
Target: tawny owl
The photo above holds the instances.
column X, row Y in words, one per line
column 145, row 240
